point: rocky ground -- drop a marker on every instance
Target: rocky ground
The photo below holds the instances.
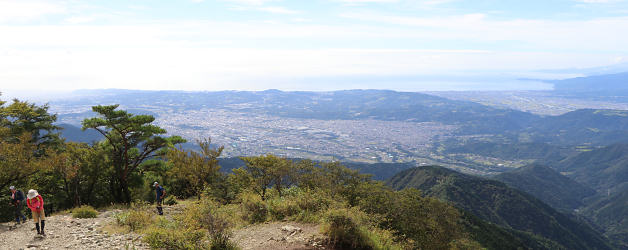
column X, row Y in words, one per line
column 65, row 232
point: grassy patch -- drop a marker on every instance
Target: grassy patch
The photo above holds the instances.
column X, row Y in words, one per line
column 136, row 220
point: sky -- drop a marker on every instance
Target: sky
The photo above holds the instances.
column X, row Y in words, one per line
column 409, row 45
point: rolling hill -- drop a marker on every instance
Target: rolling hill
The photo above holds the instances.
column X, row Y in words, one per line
column 548, row 186
column 602, row 169
column 585, row 126
column 75, row 134
column 512, row 151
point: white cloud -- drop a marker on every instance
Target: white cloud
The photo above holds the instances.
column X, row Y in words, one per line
column 278, row 10
column 162, row 56
column 599, row 34
column 250, row 2
column 369, row 1
column 598, row 1
column 20, row 10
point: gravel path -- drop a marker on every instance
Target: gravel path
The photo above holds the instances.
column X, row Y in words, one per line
column 65, row 232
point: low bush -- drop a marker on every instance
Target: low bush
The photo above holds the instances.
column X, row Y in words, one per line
column 221, row 242
column 167, row 238
column 300, row 205
column 170, row 200
column 134, row 219
column 254, row 207
column 84, row 212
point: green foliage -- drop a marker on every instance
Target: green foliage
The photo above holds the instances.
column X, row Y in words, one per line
column 301, row 205
column 84, row 212
column 78, row 171
column 27, row 133
column 198, row 170
column 132, row 139
column 269, row 170
column 21, row 118
column 17, row 161
column 353, row 229
column 411, row 215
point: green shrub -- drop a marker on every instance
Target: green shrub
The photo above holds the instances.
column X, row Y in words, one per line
column 281, row 208
column 300, row 205
column 170, row 200
column 167, row 238
column 134, row 219
column 353, row 229
column 84, row 212
column 254, row 207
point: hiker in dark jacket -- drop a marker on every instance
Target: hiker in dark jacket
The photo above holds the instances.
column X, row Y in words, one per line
column 17, row 200
column 160, row 193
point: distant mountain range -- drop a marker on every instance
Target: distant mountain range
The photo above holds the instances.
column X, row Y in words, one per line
column 617, row 81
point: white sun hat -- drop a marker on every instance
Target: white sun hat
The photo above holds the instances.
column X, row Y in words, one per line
column 12, row 188
column 32, row 193
column 155, row 184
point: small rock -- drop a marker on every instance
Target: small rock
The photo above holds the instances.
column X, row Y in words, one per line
column 292, row 230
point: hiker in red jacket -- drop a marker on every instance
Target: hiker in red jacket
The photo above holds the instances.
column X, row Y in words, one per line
column 36, row 204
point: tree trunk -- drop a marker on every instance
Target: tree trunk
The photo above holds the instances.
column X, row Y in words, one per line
column 125, row 191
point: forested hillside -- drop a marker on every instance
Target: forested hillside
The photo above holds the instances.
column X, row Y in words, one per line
column 496, row 202
column 548, row 185
column 604, row 169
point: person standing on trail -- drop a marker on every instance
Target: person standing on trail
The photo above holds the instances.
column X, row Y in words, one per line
column 17, row 200
column 36, row 204
column 160, row 193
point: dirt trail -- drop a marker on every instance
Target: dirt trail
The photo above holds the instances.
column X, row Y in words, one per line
column 279, row 235
column 65, row 232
